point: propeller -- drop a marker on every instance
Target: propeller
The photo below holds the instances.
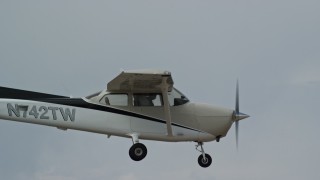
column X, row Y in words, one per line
column 237, row 115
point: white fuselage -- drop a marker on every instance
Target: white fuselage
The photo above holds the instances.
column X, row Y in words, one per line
column 190, row 122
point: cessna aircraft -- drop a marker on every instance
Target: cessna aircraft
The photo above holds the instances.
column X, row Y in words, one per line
column 140, row 104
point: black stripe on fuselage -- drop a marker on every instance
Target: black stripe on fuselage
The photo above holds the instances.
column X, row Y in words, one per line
column 11, row 93
column 79, row 102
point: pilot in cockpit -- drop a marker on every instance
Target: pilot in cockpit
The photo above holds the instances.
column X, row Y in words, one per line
column 144, row 99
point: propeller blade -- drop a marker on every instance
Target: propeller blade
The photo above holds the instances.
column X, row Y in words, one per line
column 237, row 115
column 237, row 98
column 237, row 134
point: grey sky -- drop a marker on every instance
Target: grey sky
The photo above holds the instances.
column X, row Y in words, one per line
column 76, row 47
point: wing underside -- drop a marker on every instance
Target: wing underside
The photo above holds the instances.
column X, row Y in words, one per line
column 145, row 81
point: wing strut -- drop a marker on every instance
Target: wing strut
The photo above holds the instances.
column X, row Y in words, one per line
column 167, row 113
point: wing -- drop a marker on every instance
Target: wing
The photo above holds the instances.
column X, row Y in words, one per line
column 142, row 81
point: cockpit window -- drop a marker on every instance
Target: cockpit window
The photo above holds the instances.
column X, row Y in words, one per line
column 176, row 98
column 114, row 100
column 149, row 99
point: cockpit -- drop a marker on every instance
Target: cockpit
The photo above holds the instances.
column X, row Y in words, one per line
column 175, row 97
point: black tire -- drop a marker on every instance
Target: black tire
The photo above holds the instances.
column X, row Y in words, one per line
column 138, row 151
column 205, row 162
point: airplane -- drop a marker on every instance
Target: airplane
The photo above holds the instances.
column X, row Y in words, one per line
column 136, row 104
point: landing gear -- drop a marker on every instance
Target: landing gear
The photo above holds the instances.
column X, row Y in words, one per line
column 138, row 151
column 204, row 159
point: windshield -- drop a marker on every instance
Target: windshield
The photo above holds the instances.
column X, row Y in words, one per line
column 176, row 98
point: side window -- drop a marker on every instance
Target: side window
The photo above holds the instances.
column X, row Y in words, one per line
column 115, row 100
column 147, row 100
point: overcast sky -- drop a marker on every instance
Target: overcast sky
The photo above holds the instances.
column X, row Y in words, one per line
column 75, row 47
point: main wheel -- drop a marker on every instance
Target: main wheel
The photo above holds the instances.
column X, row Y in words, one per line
column 137, row 152
column 204, row 162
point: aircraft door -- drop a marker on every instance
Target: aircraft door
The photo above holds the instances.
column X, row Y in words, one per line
column 150, row 107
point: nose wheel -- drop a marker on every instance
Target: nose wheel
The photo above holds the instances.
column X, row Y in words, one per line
column 204, row 159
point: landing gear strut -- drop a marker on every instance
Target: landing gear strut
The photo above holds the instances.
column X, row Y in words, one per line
column 138, row 151
column 204, row 159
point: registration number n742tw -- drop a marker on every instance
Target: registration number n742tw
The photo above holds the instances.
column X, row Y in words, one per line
column 41, row 112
